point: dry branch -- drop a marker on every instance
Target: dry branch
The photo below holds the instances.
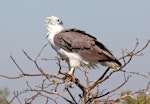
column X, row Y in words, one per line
column 53, row 83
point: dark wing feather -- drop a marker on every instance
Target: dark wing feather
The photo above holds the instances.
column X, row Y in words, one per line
column 70, row 39
column 77, row 41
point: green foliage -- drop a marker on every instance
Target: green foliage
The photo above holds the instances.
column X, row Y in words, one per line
column 138, row 98
column 4, row 94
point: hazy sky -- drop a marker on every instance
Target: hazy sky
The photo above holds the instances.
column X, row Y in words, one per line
column 115, row 23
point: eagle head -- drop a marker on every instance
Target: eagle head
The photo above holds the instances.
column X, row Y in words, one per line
column 52, row 20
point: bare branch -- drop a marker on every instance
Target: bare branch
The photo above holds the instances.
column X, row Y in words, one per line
column 134, row 52
column 136, row 73
column 71, row 96
column 91, row 92
column 101, row 79
column 16, row 63
column 109, row 92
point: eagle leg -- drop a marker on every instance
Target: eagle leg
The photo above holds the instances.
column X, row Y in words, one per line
column 71, row 72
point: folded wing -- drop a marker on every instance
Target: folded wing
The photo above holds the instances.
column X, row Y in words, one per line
column 87, row 46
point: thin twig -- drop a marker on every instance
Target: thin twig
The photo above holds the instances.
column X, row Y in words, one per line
column 99, row 80
column 71, row 96
column 11, row 57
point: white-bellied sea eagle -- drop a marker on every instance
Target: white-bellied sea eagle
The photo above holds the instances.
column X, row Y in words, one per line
column 77, row 47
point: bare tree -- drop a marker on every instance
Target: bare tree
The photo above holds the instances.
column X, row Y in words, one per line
column 57, row 87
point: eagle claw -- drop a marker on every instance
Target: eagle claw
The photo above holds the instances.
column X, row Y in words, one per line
column 69, row 79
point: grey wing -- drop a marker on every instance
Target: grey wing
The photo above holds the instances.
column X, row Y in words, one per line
column 83, row 44
column 70, row 40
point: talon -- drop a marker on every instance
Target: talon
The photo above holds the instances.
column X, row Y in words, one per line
column 71, row 76
column 69, row 79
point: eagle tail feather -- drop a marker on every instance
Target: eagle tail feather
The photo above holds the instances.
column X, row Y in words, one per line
column 112, row 64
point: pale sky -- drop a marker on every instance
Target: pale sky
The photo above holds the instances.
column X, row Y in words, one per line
column 115, row 23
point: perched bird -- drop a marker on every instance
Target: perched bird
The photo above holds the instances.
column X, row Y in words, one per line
column 78, row 48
